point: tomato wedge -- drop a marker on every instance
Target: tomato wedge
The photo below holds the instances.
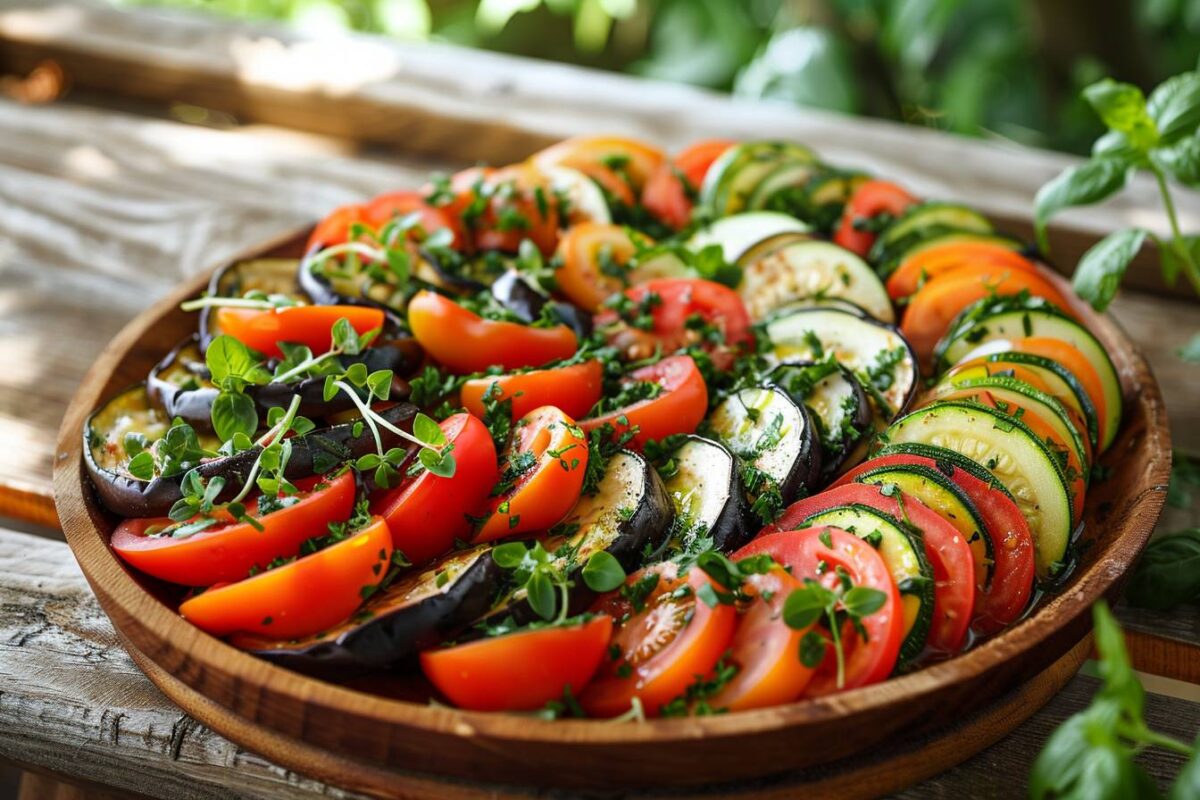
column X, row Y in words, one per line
column 669, row 192
column 262, row 330
column 930, row 311
column 678, row 408
column 520, row 671
column 869, row 200
column 590, row 253
column 806, row 556
column 621, row 166
column 765, row 650
column 661, row 644
column 688, row 311
column 919, row 269
column 498, row 208
column 302, row 597
column 386, row 207
column 546, row 460
column 465, row 342
column 427, row 513
column 574, row 389
column 948, row 552
column 335, row 228
column 229, row 550
column 1006, row 597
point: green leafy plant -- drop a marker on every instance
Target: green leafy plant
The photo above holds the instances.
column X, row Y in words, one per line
column 1168, row 573
column 1091, row 755
column 1160, row 134
column 543, row 577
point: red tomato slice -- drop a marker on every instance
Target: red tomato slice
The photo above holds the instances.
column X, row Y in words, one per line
column 1006, row 598
column 600, row 157
column 229, row 550
column 386, row 207
column 500, row 207
column 683, row 302
column 306, row 325
column 804, row 554
column 869, row 200
column 300, row 598
column 659, row 647
column 427, row 513
column 544, row 493
column 574, row 389
column 335, row 228
column 669, row 192
column 915, row 271
column 585, row 250
column 948, row 552
column 678, row 409
column 765, row 650
column 463, row 341
column 521, row 671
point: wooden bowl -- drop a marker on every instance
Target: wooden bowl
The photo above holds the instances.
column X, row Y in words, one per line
column 243, row 696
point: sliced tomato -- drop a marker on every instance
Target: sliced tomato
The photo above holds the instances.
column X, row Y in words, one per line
column 463, row 341
column 948, row 552
column 574, row 389
column 1006, row 597
column 764, row 649
column 917, row 270
column 262, row 330
column 930, row 311
column 521, row 671
column 679, row 408
column 661, row 645
column 870, row 199
column 426, row 513
column 335, row 228
column 590, row 253
column 802, row 552
column 498, row 208
column 669, row 192
column 386, row 207
column 544, row 492
column 300, row 598
column 621, row 166
column 684, row 311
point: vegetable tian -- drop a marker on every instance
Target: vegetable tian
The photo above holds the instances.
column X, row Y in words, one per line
column 611, row 433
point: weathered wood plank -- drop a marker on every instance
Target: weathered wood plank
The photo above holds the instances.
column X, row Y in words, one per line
column 465, row 105
column 74, row 704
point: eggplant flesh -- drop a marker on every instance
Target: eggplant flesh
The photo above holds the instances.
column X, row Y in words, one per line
column 837, row 404
column 270, row 275
column 334, row 287
column 131, row 411
column 418, row 610
column 706, row 492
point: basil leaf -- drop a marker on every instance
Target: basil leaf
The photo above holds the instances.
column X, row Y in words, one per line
column 602, row 572
column 345, row 338
column 1120, row 683
column 1181, row 160
column 508, row 555
column 330, row 390
column 862, row 601
column 1175, row 106
column 1168, row 573
column 540, row 592
column 1080, row 185
column 141, row 466
column 1187, row 782
column 1122, row 107
column 428, row 431
column 379, row 383
column 812, row 649
column 1102, row 267
column 803, row 607
column 357, row 374
column 227, row 358
column 443, row 465
column 232, row 414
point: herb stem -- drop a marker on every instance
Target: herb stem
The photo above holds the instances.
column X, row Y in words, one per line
column 1182, row 251
column 374, row 419
column 306, row 365
column 836, row 633
column 267, row 439
column 1143, row 734
column 358, row 248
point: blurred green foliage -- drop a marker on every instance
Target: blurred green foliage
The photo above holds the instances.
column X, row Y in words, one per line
column 1005, row 68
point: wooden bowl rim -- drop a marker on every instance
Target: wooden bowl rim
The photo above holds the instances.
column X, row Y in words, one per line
column 103, row 569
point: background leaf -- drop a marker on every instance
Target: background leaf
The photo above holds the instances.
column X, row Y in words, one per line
column 1084, row 184
column 1102, row 267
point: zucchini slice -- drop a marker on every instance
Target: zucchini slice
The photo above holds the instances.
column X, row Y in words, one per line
column 270, row 275
column 771, row 433
column 875, row 352
column 1005, row 319
column 919, row 221
column 707, row 493
column 1012, row 453
column 739, row 232
column 812, row 269
column 837, row 405
column 734, row 177
column 903, row 551
column 951, row 503
column 946, row 461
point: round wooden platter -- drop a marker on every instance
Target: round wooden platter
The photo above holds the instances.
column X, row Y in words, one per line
column 392, row 747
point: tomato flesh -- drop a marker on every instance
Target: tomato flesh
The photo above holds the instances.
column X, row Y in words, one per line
column 869, row 200
column 386, row 207
column 311, row 326
column 335, row 227
column 589, row 252
column 679, row 408
column 573, row 389
column 669, row 191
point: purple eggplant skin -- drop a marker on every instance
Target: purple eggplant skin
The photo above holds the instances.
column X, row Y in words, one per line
column 520, row 297
column 273, row 276
column 318, row 451
column 410, row 615
column 428, row 273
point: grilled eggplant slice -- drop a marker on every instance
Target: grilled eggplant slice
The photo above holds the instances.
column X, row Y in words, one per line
column 811, row 269
column 417, row 610
column 107, row 460
column 520, row 297
column 837, row 404
column 334, row 284
column 770, row 432
column 270, row 275
column 707, row 492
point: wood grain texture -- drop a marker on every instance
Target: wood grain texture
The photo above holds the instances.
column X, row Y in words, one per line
column 342, row 721
column 464, row 105
column 74, row 703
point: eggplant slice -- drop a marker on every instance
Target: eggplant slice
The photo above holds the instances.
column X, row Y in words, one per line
column 131, row 411
column 837, row 404
column 330, row 283
column 270, row 275
column 418, row 610
column 706, row 490
column 520, row 297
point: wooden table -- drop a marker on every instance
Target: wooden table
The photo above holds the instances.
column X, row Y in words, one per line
column 107, row 199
